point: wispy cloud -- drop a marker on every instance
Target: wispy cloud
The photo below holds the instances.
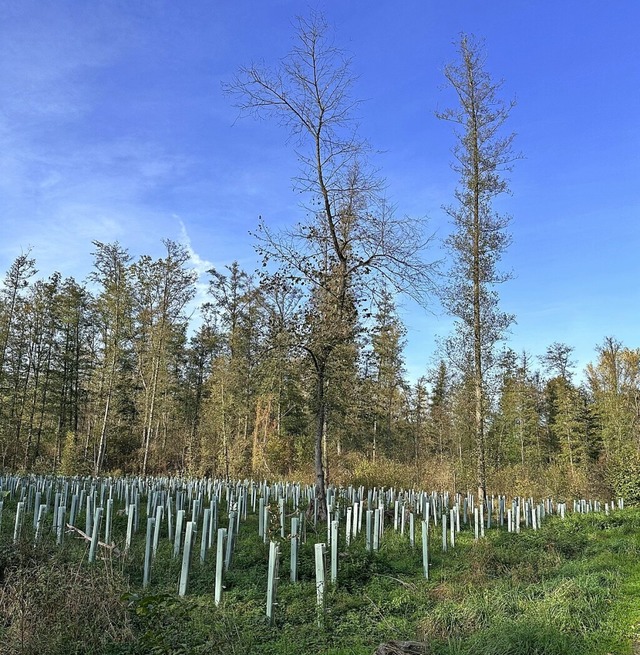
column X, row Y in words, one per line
column 46, row 50
column 61, row 201
column 200, row 265
column 64, row 180
column 58, row 189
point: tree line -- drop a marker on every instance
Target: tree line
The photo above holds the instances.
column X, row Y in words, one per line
column 299, row 366
column 106, row 375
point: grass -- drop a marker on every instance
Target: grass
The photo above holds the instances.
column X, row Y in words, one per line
column 571, row 587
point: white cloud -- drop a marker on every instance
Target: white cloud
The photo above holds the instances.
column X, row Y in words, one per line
column 200, row 265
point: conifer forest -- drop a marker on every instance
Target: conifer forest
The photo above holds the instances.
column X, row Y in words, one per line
column 106, row 375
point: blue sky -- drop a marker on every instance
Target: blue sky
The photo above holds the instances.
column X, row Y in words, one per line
column 113, row 126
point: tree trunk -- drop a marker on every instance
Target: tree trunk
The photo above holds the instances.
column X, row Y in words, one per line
column 375, row 440
column 321, row 494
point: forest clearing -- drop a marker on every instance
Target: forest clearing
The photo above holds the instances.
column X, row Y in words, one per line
column 163, row 565
column 319, row 426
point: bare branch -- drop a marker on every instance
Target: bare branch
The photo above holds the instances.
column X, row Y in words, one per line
column 350, row 241
column 86, row 537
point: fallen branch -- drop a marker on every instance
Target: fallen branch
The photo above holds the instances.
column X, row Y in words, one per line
column 84, row 535
column 403, row 648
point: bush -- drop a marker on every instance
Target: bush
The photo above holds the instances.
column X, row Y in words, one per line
column 623, row 477
column 62, row 608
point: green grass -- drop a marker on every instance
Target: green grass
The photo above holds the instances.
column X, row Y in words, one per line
column 572, row 587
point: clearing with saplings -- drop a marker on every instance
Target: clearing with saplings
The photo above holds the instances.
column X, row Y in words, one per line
column 309, row 422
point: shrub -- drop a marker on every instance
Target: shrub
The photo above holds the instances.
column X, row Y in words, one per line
column 62, row 608
column 623, row 476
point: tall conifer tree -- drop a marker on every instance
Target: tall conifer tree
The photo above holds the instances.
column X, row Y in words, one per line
column 482, row 155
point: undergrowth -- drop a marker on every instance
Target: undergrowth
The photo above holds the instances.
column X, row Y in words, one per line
column 571, row 587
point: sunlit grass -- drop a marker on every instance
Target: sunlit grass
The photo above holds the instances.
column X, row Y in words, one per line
column 572, row 587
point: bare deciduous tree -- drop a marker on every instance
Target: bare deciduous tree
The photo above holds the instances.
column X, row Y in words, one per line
column 350, row 237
